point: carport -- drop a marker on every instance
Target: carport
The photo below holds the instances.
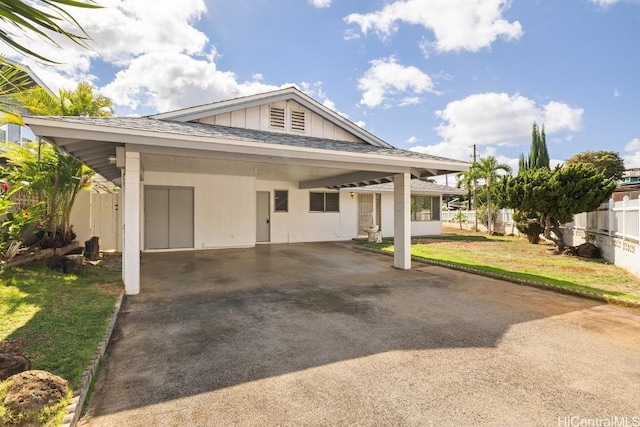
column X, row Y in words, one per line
column 226, row 166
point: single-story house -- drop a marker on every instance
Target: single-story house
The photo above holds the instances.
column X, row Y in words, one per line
column 266, row 168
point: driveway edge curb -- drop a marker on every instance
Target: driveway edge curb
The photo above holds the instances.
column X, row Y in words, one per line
column 540, row 285
column 74, row 409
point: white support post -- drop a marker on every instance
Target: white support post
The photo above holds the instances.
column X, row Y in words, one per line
column 402, row 221
column 131, row 224
column 121, row 213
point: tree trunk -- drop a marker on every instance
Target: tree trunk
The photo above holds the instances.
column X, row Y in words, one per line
column 550, row 225
column 533, row 238
column 489, row 218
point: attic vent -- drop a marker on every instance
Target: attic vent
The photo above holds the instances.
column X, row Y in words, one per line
column 276, row 117
column 297, row 121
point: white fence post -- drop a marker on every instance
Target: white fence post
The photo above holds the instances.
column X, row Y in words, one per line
column 624, row 217
column 612, row 217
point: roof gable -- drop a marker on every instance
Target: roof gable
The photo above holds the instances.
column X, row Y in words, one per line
column 207, row 113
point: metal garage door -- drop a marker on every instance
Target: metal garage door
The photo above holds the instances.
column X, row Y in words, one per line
column 168, row 217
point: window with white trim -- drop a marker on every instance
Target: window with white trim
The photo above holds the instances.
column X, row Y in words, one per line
column 425, row 208
column 324, row 202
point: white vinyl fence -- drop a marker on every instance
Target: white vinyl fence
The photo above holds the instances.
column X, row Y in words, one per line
column 616, row 219
column 96, row 214
column 614, row 228
column 503, row 223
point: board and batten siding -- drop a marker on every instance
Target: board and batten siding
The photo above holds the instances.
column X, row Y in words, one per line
column 257, row 118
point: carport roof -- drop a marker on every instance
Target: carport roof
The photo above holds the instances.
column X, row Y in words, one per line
column 94, row 139
column 418, row 186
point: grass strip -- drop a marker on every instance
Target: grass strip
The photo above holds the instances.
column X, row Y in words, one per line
column 60, row 317
column 515, row 258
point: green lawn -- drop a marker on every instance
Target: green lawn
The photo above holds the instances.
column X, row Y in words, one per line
column 61, row 318
column 515, row 257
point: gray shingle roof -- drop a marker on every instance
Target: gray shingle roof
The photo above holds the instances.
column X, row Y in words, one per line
column 224, row 132
column 418, row 185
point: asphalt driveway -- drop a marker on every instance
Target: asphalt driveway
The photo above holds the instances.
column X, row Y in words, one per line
column 323, row 334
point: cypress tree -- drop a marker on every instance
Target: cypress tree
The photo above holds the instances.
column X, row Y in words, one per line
column 527, row 222
column 534, row 152
column 544, row 153
column 538, row 153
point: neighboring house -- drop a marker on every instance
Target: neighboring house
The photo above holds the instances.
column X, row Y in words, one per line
column 375, row 207
column 628, row 186
column 266, row 168
column 27, row 80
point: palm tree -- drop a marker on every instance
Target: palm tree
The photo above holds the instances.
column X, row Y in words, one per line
column 52, row 174
column 487, row 170
column 84, row 100
column 41, row 18
column 467, row 179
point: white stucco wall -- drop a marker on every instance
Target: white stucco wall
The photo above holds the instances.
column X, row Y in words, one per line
column 418, row 228
column 224, row 207
column 300, row 225
column 426, row 228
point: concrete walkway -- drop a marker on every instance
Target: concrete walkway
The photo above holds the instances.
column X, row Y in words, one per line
column 322, row 334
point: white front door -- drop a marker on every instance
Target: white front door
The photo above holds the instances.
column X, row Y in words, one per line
column 365, row 213
column 263, row 218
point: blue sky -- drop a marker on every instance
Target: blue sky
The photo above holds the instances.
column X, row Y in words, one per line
column 428, row 75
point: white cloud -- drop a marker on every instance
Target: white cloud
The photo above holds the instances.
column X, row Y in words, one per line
column 633, row 145
column 559, row 116
column 123, row 29
column 456, row 24
column 159, row 70
column 257, row 76
column 167, row 81
column 632, row 158
column 320, row 3
column 497, row 119
column 412, row 140
column 425, row 47
column 386, row 78
column 604, row 2
column 361, row 123
column 616, row 92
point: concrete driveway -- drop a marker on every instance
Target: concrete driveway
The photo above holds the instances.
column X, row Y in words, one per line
column 323, row 334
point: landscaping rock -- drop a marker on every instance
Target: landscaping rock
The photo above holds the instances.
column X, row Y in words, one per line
column 56, row 263
column 588, row 250
column 570, row 251
column 73, row 264
column 12, row 359
column 32, row 391
column 92, row 249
